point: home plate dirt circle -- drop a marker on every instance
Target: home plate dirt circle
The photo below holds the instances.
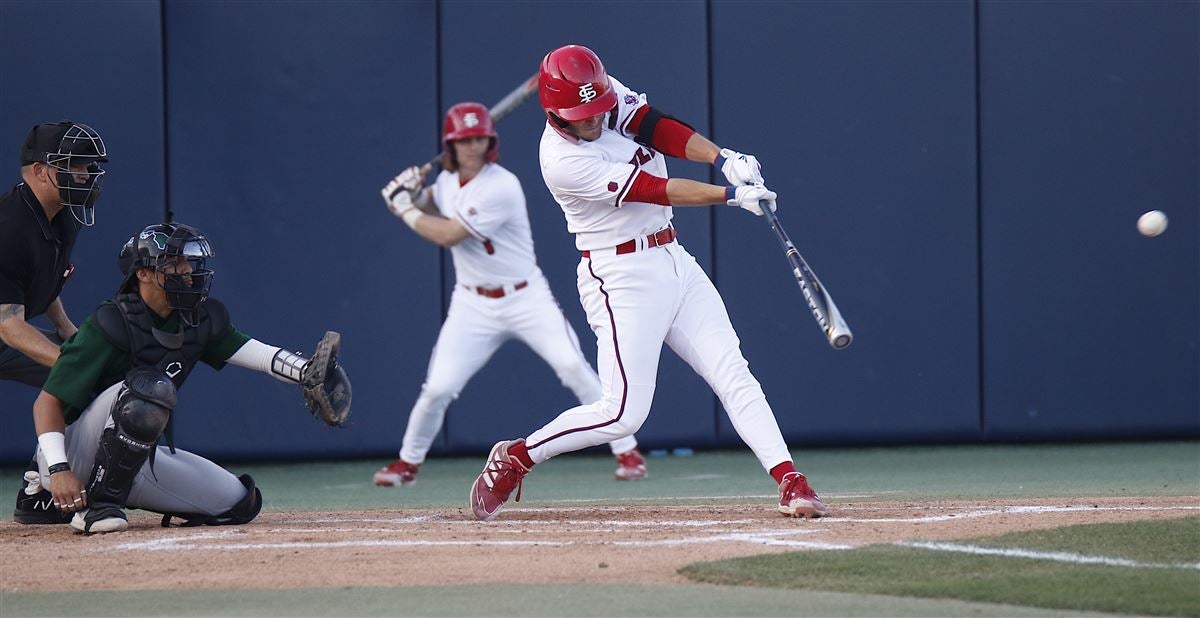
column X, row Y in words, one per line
column 550, row 543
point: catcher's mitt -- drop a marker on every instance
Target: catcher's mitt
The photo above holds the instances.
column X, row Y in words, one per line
column 326, row 387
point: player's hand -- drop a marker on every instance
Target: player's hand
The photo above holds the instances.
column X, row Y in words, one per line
column 412, row 179
column 400, row 202
column 748, row 196
column 740, row 169
column 68, row 492
column 403, row 189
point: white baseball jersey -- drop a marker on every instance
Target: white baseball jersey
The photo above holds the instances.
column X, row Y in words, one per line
column 589, row 179
column 636, row 301
column 491, row 206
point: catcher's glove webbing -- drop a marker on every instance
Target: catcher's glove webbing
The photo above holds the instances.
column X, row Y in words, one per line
column 326, row 387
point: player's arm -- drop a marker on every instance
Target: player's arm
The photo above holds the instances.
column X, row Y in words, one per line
column 416, row 206
column 22, row 336
column 49, row 420
column 670, row 136
column 437, row 229
column 272, row 360
column 57, row 314
column 686, row 192
column 324, row 383
column 77, row 374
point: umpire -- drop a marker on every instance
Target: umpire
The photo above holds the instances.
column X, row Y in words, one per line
column 60, row 170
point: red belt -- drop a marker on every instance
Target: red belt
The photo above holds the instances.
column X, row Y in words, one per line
column 661, row 237
column 497, row 292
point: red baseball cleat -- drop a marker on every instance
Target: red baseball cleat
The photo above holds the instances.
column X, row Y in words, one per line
column 501, row 475
column 797, row 499
column 399, row 473
column 631, row 466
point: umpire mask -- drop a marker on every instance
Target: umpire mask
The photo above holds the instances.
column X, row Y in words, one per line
column 74, row 152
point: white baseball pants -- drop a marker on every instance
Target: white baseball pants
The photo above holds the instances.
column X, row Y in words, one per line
column 634, row 303
column 475, row 327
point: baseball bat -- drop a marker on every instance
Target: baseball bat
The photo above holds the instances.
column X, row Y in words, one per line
column 819, row 301
column 502, row 108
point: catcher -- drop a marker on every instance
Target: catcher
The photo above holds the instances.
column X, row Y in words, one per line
column 111, row 394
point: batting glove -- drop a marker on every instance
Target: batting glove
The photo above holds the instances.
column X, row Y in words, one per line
column 412, row 179
column 748, row 197
column 402, row 190
column 400, row 202
column 739, row 169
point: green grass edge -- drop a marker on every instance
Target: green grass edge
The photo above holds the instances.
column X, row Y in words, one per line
column 912, row 572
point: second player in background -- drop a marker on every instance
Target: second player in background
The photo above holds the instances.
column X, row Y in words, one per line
column 476, row 208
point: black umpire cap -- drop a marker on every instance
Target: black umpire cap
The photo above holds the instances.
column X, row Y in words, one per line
column 44, row 139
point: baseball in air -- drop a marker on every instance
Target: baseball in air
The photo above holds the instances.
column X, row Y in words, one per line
column 1152, row 223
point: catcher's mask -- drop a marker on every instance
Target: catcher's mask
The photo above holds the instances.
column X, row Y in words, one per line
column 178, row 252
column 74, row 151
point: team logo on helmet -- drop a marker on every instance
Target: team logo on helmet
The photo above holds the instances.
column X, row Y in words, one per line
column 158, row 238
column 587, row 93
column 470, row 120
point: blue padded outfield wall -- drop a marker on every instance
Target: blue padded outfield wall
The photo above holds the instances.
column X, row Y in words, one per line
column 964, row 175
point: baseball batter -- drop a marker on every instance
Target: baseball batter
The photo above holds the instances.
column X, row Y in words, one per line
column 602, row 157
column 476, row 208
column 136, row 351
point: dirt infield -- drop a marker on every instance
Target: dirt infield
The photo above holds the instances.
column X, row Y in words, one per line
column 538, row 544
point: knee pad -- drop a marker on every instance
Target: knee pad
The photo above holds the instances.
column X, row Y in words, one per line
column 140, row 413
column 143, row 407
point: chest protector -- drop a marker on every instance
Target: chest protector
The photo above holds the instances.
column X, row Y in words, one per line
column 128, row 324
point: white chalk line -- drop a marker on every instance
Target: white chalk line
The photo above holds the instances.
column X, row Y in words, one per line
column 182, row 543
column 613, row 523
column 1054, row 556
column 756, row 538
column 416, row 519
column 741, row 497
column 1009, row 510
column 577, row 525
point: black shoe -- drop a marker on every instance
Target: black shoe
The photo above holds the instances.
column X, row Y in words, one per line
column 38, row 509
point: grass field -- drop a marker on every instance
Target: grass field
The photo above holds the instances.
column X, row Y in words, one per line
column 1148, row 567
column 689, row 511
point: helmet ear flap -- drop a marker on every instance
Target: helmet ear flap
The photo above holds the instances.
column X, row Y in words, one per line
column 562, row 124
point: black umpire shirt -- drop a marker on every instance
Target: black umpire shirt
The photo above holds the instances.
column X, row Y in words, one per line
column 35, row 253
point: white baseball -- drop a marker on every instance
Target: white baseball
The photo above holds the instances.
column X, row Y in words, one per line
column 1152, row 223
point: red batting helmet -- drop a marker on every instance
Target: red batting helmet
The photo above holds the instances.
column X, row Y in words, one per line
column 573, row 85
column 467, row 120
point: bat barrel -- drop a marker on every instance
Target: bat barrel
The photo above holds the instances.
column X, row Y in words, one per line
column 819, row 301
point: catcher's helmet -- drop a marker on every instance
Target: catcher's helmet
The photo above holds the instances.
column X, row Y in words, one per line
column 467, row 120
column 66, row 147
column 156, row 247
column 573, row 85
